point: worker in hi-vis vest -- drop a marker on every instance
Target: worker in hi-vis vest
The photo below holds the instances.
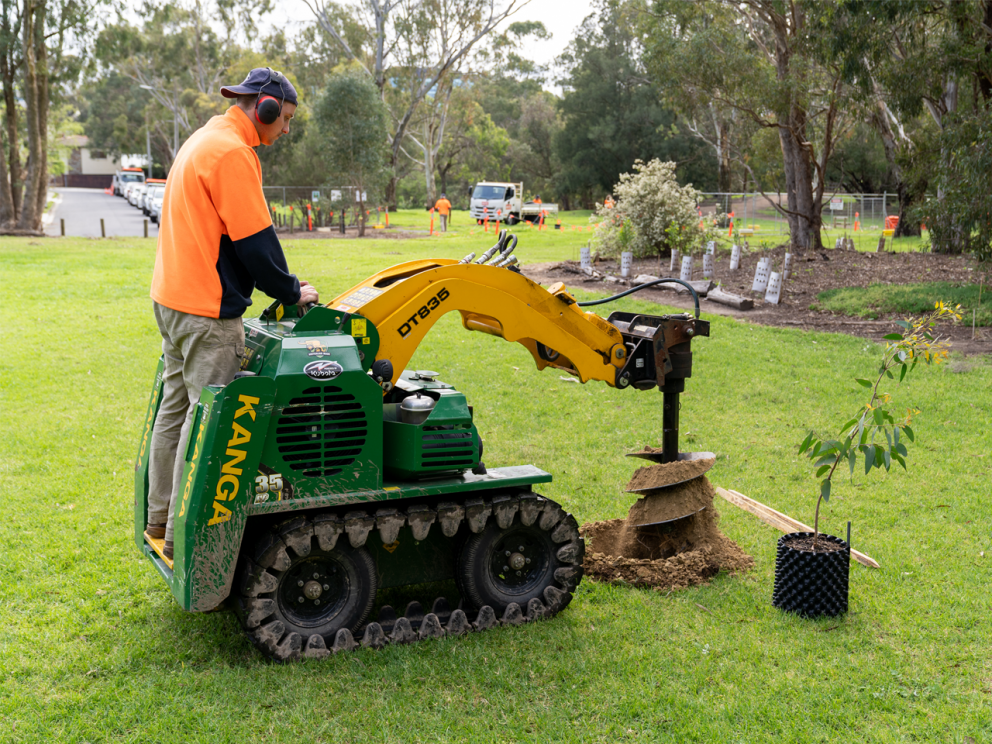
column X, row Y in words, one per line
column 443, row 207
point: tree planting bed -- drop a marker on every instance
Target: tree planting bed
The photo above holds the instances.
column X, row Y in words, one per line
column 813, row 273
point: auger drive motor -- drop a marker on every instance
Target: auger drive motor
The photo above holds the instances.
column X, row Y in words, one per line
column 326, row 472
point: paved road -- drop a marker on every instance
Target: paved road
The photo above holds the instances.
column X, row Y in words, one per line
column 82, row 209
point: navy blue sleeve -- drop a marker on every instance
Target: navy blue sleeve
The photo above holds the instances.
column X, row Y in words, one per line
column 262, row 255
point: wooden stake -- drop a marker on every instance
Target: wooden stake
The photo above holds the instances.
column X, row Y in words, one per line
column 780, row 521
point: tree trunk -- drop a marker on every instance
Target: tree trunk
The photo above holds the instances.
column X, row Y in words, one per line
column 890, row 144
column 724, row 175
column 803, row 212
column 36, row 107
column 907, row 227
column 429, row 166
column 12, row 188
column 443, row 172
column 7, row 216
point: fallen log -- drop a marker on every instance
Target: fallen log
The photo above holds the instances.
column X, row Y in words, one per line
column 732, row 300
column 702, row 288
column 780, row 521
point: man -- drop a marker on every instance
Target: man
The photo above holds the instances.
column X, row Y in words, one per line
column 216, row 245
column 443, row 206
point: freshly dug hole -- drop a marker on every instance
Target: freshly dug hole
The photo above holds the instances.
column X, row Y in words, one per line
column 676, row 555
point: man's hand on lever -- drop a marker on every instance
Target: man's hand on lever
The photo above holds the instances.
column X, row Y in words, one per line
column 308, row 294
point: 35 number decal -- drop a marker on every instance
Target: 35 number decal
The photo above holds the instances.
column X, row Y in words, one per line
column 268, row 483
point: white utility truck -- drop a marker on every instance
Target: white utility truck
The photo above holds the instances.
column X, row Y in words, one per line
column 501, row 201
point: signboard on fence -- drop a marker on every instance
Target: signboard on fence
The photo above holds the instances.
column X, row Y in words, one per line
column 836, row 204
column 314, row 196
column 361, row 196
column 335, row 195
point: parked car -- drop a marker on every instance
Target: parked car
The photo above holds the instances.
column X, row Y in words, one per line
column 156, row 209
column 155, row 188
column 137, row 190
column 126, row 190
column 125, row 176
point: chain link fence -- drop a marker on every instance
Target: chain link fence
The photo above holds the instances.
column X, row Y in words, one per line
column 757, row 211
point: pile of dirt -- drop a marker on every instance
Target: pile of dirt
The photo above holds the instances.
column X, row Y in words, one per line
column 675, row 555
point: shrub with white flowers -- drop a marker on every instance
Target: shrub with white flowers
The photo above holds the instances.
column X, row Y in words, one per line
column 659, row 213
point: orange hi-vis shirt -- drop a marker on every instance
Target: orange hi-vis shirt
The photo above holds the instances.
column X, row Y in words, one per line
column 216, row 242
column 443, row 206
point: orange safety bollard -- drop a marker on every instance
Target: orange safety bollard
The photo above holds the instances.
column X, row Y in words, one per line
column 485, row 219
column 309, row 218
column 432, row 220
column 730, row 232
column 387, row 216
column 857, row 221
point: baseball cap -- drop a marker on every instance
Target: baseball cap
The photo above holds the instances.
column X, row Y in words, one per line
column 263, row 80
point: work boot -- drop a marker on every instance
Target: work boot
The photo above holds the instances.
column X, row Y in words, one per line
column 155, row 530
column 167, row 550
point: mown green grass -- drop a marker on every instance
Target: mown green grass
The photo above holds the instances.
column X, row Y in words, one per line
column 909, row 299
column 93, row 648
column 577, row 229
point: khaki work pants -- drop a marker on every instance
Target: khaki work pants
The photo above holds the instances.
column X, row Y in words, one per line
column 198, row 351
column 444, row 223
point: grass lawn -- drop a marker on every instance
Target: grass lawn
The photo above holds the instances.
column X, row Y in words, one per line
column 93, row 648
column 914, row 299
column 576, row 229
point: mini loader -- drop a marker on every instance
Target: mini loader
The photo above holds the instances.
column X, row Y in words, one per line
column 326, row 472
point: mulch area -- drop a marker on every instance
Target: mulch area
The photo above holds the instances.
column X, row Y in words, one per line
column 813, row 273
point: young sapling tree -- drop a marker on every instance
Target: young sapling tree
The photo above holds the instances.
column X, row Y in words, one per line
column 873, row 434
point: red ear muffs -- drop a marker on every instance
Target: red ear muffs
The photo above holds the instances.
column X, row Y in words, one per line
column 267, row 109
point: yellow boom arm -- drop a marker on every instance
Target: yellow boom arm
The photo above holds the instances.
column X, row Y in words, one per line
column 406, row 300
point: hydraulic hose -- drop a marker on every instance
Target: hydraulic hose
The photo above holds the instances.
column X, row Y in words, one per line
column 695, row 297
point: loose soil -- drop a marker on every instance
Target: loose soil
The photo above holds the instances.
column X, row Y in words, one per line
column 805, row 545
column 813, row 273
column 664, row 505
column 669, row 473
column 680, row 554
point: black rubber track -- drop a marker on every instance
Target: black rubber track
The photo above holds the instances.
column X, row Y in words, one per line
column 294, row 559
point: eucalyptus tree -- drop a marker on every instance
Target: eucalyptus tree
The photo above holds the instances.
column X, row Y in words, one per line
column 612, row 113
column 926, row 66
column 352, row 120
column 413, row 48
column 41, row 51
column 761, row 60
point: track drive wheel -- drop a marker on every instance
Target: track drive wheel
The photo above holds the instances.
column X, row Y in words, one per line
column 296, row 595
column 542, row 560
